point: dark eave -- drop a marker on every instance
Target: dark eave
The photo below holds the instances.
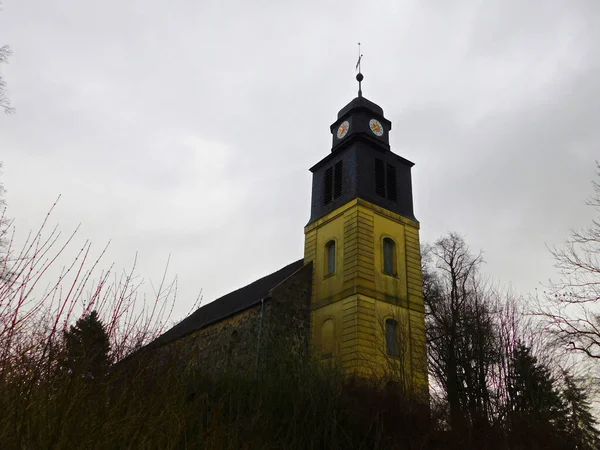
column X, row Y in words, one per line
column 337, row 153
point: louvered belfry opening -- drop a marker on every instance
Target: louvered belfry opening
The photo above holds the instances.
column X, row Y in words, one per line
column 385, row 180
column 379, row 177
column 391, row 182
column 361, row 165
column 337, row 180
column 328, row 190
column 333, row 183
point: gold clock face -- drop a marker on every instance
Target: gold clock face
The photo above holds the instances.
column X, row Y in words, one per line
column 343, row 129
column 376, row 127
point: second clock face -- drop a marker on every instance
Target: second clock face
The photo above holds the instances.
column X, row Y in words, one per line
column 376, row 127
column 343, row 129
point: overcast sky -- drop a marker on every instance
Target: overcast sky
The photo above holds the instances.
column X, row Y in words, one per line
column 188, row 127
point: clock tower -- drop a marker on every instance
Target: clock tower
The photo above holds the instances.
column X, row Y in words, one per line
column 367, row 311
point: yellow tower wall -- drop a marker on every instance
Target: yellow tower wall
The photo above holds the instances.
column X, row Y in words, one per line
column 359, row 297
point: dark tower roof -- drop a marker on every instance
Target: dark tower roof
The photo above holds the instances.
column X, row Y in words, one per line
column 360, row 103
column 361, row 164
column 357, row 116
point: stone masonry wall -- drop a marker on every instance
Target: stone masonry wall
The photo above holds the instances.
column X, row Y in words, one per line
column 288, row 325
column 238, row 343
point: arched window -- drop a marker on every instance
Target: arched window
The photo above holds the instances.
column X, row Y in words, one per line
column 391, row 337
column 327, row 338
column 389, row 256
column 330, row 258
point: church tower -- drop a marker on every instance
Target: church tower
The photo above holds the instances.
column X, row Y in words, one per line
column 367, row 311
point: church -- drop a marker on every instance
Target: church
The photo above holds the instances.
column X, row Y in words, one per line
column 356, row 297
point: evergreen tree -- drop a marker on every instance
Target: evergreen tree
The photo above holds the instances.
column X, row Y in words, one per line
column 581, row 425
column 537, row 413
column 87, row 348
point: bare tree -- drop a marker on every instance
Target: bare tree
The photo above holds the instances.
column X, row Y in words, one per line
column 2, row 212
column 5, row 52
column 571, row 309
column 4, row 231
column 461, row 336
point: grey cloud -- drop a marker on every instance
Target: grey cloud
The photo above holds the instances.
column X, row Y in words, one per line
column 188, row 129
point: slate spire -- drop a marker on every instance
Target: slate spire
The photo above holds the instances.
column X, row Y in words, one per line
column 361, row 163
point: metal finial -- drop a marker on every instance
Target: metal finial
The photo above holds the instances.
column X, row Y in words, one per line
column 359, row 76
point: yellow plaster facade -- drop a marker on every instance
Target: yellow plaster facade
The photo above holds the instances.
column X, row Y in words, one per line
column 350, row 306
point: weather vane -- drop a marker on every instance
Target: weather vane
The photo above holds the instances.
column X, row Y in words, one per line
column 359, row 76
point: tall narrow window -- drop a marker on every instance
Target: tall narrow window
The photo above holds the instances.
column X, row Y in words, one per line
column 379, row 177
column 391, row 182
column 389, row 256
column 391, row 337
column 328, row 188
column 327, row 338
column 385, row 180
column 337, row 179
column 330, row 257
column 332, row 183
